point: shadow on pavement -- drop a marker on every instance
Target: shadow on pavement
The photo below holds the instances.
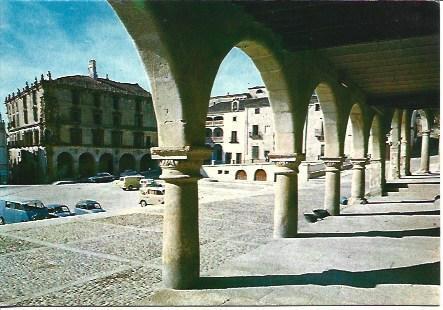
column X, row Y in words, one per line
column 426, row 232
column 423, row 274
column 400, row 201
column 431, row 212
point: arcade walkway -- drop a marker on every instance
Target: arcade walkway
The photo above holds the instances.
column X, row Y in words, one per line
column 385, row 252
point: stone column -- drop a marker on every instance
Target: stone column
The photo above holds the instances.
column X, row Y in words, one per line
column 75, row 167
column 395, row 160
column 405, row 168
column 424, row 161
column 358, row 180
column 377, row 179
column 181, row 251
column 332, row 184
column 286, row 194
column 405, row 150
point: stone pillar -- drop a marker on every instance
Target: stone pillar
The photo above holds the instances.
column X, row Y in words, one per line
column 332, row 184
column 75, row 167
column 358, row 180
column 395, row 160
column 286, row 194
column 377, row 178
column 181, row 252
column 405, row 167
column 424, row 161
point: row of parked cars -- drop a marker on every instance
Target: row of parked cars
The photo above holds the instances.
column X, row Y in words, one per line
column 16, row 211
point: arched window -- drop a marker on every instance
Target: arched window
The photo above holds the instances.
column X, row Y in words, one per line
column 241, row 175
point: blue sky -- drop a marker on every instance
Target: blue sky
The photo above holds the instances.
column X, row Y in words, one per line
column 37, row 36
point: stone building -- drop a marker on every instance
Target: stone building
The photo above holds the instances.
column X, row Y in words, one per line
column 4, row 167
column 75, row 126
column 240, row 131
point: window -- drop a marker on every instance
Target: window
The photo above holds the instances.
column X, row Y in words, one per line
column 34, row 97
column 228, row 157
column 76, row 115
column 226, row 171
column 266, row 154
column 98, row 138
column 76, row 136
column 25, row 110
column 35, row 113
column 116, row 119
column 238, row 158
column 36, row 137
column 255, row 152
column 254, row 130
column 138, row 139
column 138, row 105
column 97, row 100
column 234, row 137
column 116, row 137
column 257, row 111
column 317, row 107
column 148, row 141
column 138, row 120
column 322, row 150
column 97, row 118
column 75, row 97
column 115, row 102
column 219, row 171
column 235, row 105
column 234, row 119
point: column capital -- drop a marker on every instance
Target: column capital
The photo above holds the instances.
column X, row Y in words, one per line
column 375, row 160
column 359, row 163
column 425, row 132
column 287, row 163
column 180, row 162
column 333, row 162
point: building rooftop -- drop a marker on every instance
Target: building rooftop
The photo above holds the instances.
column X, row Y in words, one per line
column 103, row 84
column 226, row 106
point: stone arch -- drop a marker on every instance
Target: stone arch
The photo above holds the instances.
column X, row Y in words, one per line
column 105, row 163
column 217, row 152
column 359, row 147
column 271, row 71
column 208, row 132
column 260, row 175
column 65, row 166
column 241, row 175
column 86, row 165
column 329, row 108
column 147, row 163
column 126, row 162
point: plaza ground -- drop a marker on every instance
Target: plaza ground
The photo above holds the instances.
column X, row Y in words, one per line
column 386, row 252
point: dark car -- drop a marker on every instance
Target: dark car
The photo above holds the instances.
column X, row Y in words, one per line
column 128, row 173
column 88, row 206
column 153, row 173
column 58, row 210
column 101, row 177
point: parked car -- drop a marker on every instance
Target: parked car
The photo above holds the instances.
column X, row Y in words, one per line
column 128, row 173
column 16, row 211
column 153, row 173
column 58, row 210
column 152, row 195
column 88, row 206
column 130, row 182
column 102, row 177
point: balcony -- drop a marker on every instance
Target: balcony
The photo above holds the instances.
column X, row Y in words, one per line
column 319, row 134
column 256, row 136
column 217, row 139
column 216, row 123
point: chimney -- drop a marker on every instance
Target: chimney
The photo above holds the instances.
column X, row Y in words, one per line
column 92, row 70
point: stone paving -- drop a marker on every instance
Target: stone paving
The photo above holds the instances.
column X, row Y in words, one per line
column 114, row 259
